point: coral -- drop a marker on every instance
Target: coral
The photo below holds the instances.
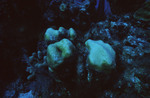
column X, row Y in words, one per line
column 58, row 52
column 35, row 62
column 101, row 55
column 94, row 64
column 72, row 34
column 53, row 35
column 63, row 7
column 135, row 49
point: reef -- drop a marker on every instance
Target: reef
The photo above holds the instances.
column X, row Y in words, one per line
column 84, row 65
column 79, row 49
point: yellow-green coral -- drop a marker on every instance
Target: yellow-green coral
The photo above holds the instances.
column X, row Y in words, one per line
column 101, row 55
column 58, row 52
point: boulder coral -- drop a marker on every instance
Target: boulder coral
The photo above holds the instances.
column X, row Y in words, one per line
column 58, row 52
column 52, row 34
column 101, row 55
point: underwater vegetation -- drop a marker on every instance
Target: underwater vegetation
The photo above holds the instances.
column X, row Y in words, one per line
column 144, row 12
column 75, row 49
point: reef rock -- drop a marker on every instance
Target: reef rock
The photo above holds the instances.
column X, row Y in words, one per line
column 101, row 55
column 58, row 52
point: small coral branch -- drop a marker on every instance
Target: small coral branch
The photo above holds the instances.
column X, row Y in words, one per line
column 35, row 62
